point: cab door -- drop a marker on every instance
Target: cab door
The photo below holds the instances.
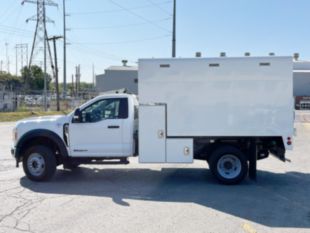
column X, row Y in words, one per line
column 99, row 131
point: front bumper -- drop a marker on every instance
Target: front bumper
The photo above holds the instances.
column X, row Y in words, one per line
column 13, row 152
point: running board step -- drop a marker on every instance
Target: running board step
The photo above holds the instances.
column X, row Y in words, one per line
column 106, row 161
column 110, row 161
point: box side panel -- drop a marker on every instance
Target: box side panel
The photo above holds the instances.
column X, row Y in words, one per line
column 152, row 140
column 221, row 97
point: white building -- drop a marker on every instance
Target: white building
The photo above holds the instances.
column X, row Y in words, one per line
column 118, row 77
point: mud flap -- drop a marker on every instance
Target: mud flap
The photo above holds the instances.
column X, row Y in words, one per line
column 253, row 160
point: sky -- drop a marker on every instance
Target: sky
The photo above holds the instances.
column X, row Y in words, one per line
column 104, row 32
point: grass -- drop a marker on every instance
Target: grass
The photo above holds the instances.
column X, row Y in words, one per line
column 15, row 116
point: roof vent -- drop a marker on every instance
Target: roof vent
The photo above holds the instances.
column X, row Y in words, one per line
column 124, row 62
column 272, row 54
column 247, row 54
column 198, row 54
column 222, row 54
column 296, row 56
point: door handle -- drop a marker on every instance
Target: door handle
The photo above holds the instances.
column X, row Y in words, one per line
column 113, row 127
column 161, row 134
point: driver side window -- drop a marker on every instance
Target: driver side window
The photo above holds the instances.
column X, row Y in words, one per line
column 103, row 109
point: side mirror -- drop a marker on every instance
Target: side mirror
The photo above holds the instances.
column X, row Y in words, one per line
column 77, row 116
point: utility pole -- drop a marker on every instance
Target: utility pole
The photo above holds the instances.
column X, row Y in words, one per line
column 45, row 42
column 77, row 79
column 72, row 87
column 16, row 61
column 174, row 30
column 22, row 54
column 1, row 66
column 54, row 38
column 65, row 51
column 7, row 57
column 94, row 77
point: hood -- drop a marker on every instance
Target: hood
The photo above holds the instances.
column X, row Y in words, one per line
column 52, row 123
column 45, row 119
column 44, row 122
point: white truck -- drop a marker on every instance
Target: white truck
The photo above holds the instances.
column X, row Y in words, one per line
column 229, row 112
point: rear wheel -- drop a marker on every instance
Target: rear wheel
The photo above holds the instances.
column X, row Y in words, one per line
column 228, row 164
column 39, row 163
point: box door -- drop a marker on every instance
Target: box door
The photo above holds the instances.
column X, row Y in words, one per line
column 179, row 150
column 152, row 134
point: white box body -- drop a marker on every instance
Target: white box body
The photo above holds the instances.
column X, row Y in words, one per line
column 248, row 96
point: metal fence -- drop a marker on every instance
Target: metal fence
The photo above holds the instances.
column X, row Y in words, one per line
column 34, row 101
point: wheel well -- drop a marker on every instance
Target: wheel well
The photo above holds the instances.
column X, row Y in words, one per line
column 265, row 145
column 208, row 148
column 42, row 141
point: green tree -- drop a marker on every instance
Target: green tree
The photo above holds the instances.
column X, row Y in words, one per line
column 33, row 78
column 10, row 82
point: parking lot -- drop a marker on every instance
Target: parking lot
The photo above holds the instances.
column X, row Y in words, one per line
column 158, row 198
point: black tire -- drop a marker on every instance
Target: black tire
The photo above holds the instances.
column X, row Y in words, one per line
column 228, row 165
column 41, row 154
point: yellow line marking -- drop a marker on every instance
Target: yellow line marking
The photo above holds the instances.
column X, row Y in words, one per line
column 248, row 228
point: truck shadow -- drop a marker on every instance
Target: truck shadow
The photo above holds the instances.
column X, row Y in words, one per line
column 275, row 200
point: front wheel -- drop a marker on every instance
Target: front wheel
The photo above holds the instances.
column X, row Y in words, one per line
column 39, row 163
column 228, row 164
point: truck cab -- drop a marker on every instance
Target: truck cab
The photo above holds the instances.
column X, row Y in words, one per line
column 102, row 130
column 103, row 127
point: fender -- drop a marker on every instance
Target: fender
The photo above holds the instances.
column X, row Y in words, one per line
column 41, row 133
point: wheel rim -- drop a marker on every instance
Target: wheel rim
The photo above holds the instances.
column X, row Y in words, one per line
column 229, row 166
column 36, row 164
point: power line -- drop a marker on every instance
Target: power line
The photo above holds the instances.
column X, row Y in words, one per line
column 118, row 26
column 10, row 28
column 122, row 42
column 139, row 16
column 158, row 6
column 118, row 10
column 96, row 52
column 10, row 33
column 4, row 16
